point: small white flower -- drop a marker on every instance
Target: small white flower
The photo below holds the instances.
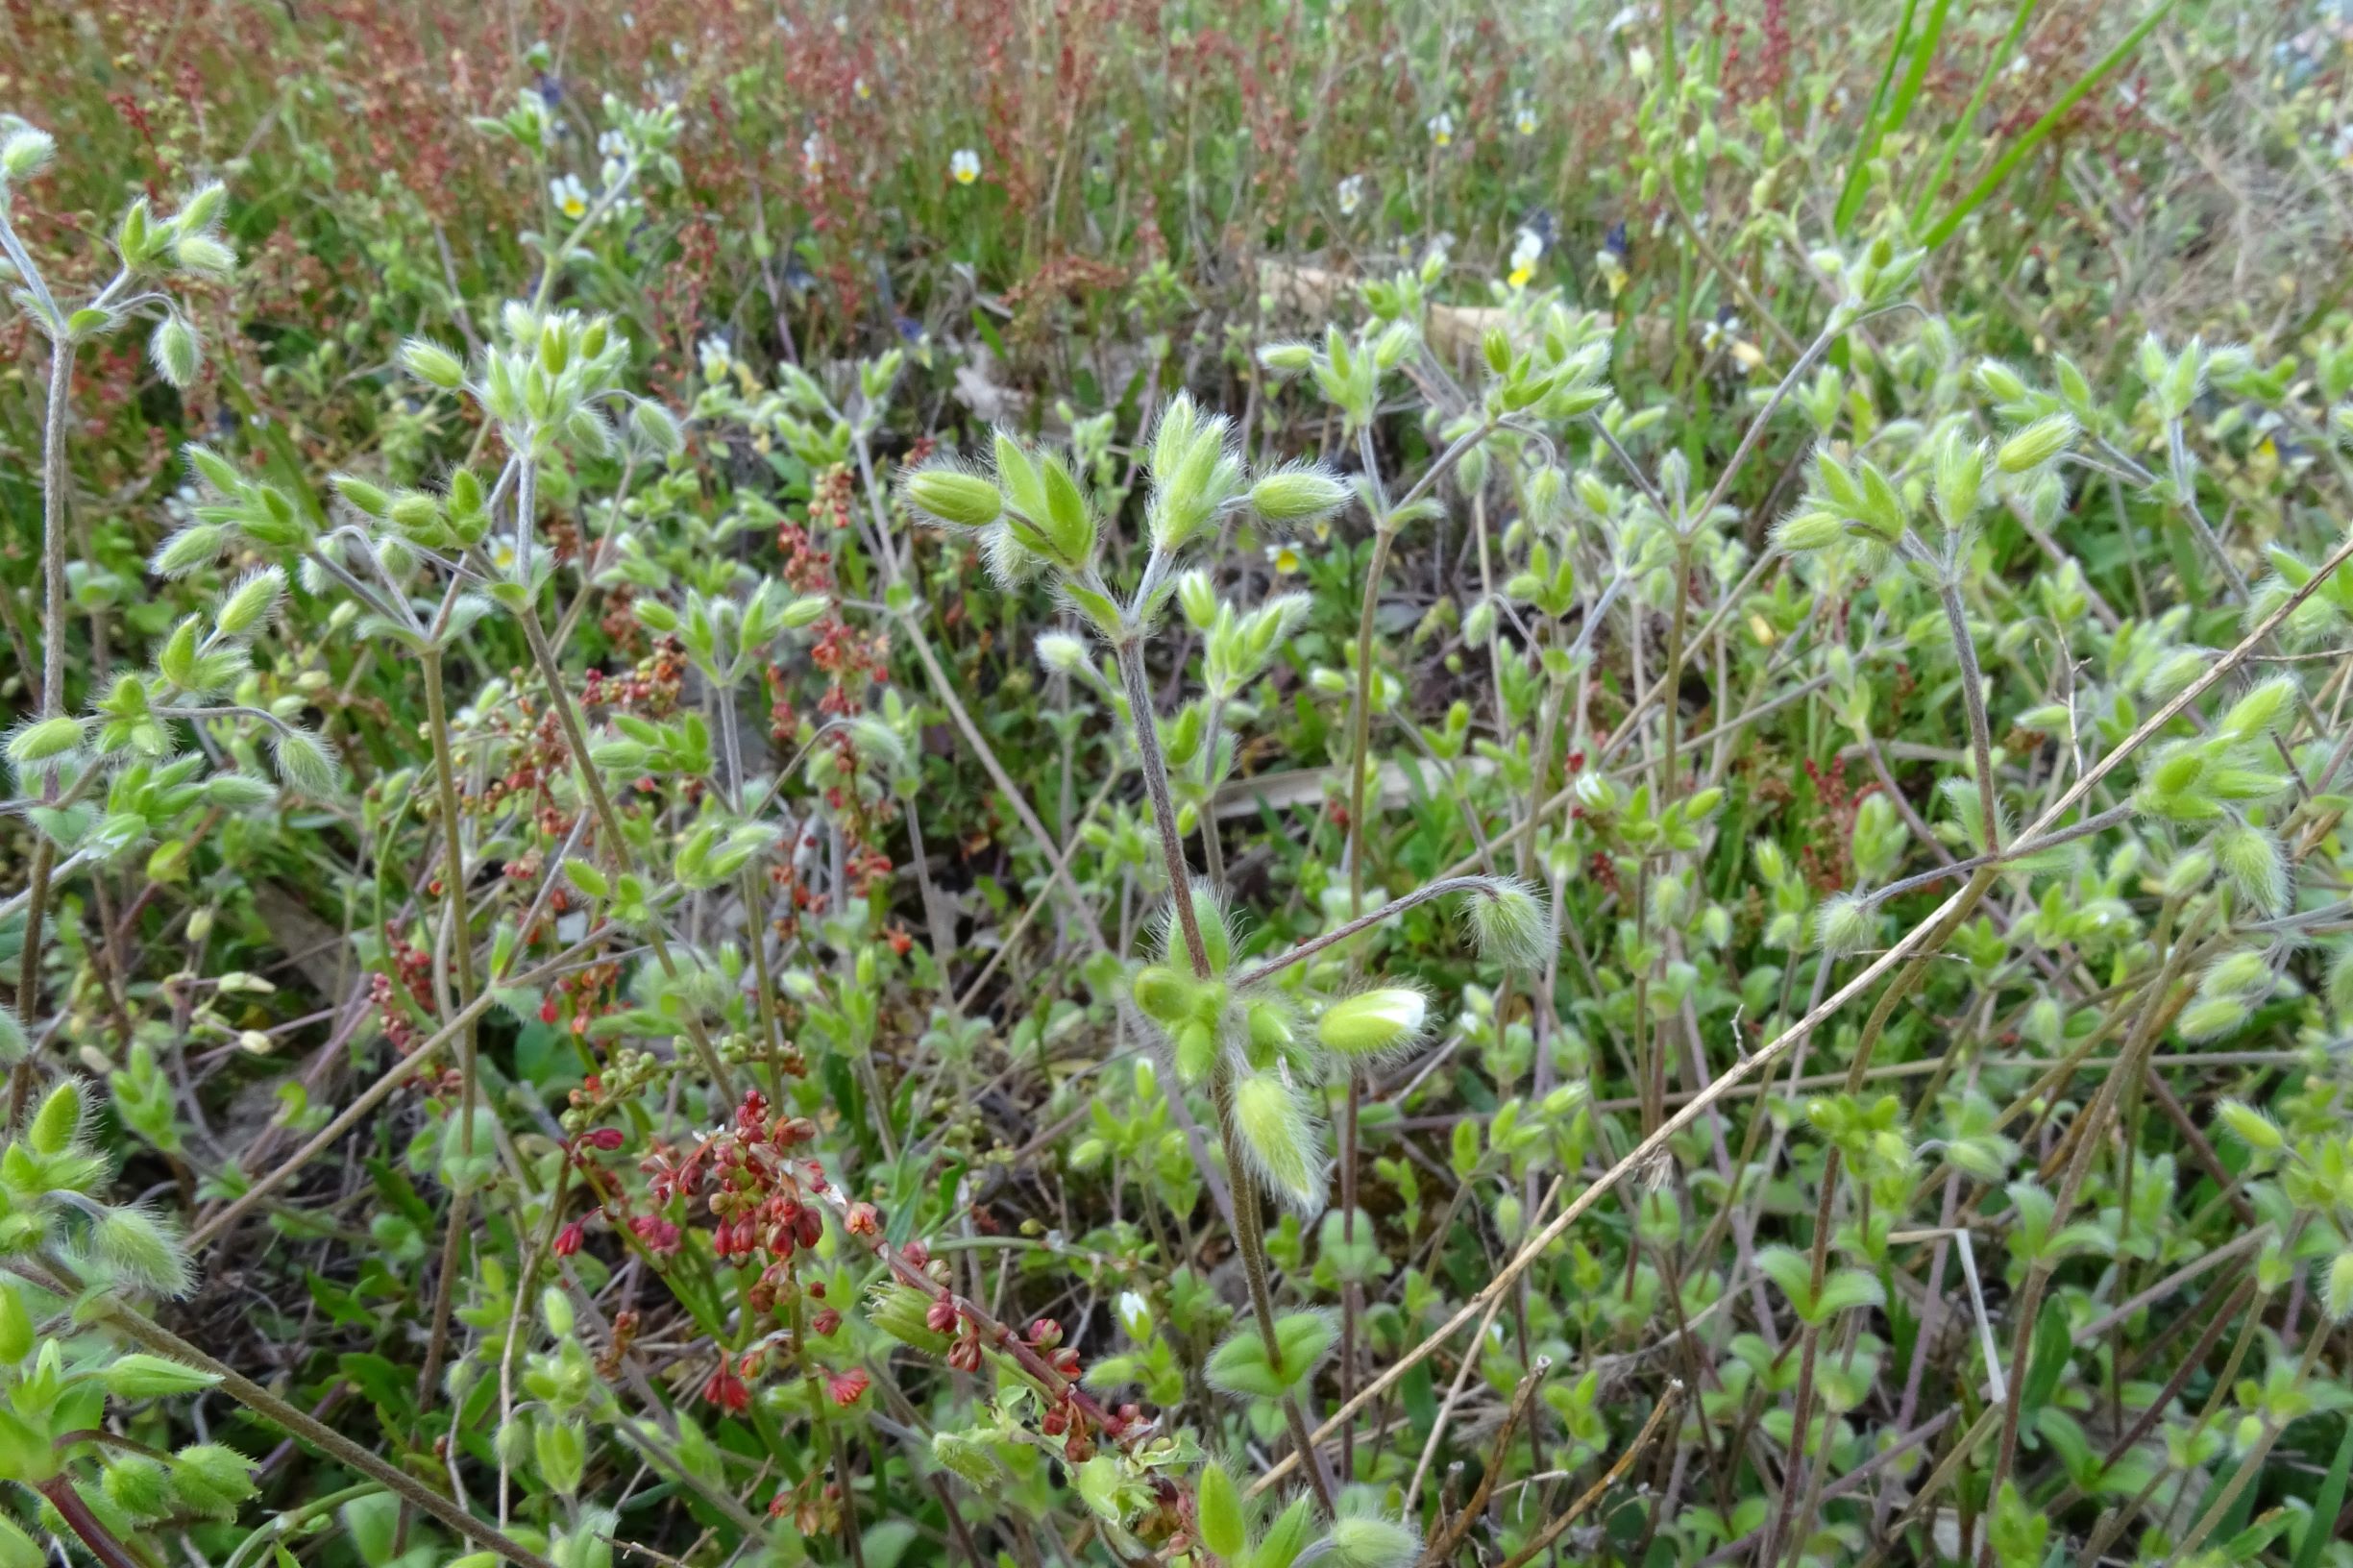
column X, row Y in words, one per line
column 570, row 195
column 963, row 164
column 717, row 358
column 840, row 22
column 860, row 90
column 1527, row 250
column 812, row 154
column 1351, row 195
column 1441, row 128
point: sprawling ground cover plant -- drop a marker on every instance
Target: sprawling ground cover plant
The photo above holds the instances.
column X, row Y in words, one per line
column 1173, row 783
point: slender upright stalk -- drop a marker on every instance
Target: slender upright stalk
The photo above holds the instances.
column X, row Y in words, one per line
column 1249, row 1239
column 1973, row 700
column 53, row 685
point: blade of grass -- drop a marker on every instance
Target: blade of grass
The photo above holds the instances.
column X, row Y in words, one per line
column 1999, row 175
column 1898, row 111
column 1850, row 190
column 2326, row 1505
column 1963, row 126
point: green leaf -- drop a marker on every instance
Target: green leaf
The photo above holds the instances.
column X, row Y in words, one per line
column 2054, row 1347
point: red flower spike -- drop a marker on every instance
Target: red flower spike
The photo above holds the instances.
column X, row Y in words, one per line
column 727, row 1392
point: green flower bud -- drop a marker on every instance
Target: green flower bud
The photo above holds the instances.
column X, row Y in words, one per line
column 142, row 1251
column 304, row 763
column 1808, row 528
column 2211, row 1018
column 1368, row 1540
column 1960, row 474
column 1297, row 495
column 141, row 1376
column 26, row 152
column 252, row 602
column 1217, row 1510
column 58, row 1122
column 1197, row 1051
column 2250, row 857
column 1513, row 925
column 203, row 255
column 2337, row 1292
column 174, row 349
column 560, row 1450
column 366, row 497
column 2037, row 444
column 1844, row 924
column 432, row 364
column 955, row 497
column 45, row 741
column 902, row 1311
column 197, row 544
column 1280, row 1137
column 1271, row 1028
column 655, row 428
column 1374, row 1022
column 211, row 1478
column 202, row 208
column 1164, row 996
column 139, row 1486
column 1069, row 525
column 1287, row 358
column 237, row 792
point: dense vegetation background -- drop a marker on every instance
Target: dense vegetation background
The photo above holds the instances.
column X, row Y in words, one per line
column 1748, row 611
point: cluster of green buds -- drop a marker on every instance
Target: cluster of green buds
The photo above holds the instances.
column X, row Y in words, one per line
column 189, row 243
column 202, row 671
column 546, row 380
column 642, row 137
column 2222, row 782
column 48, row 1174
column 726, row 640
column 1254, row 1034
column 73, row 1252
column 811, row 423
column 1950, row 480
column 1032, row 514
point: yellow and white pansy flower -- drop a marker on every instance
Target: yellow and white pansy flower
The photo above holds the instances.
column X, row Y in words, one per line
column 1527, row 250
